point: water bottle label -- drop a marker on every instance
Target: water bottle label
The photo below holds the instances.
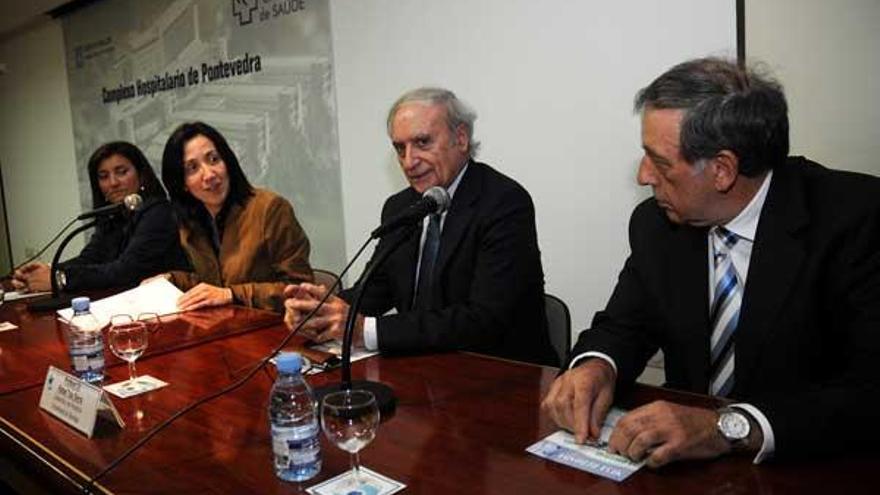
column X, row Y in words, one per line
column 299, row 445
column 87, row 357
column 80, row 363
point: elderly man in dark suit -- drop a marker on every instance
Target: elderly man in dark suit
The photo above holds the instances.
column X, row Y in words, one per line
column 468, row 279
column 757, row 274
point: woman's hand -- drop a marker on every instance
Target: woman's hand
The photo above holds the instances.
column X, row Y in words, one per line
column 203, row 296
column 32, row 277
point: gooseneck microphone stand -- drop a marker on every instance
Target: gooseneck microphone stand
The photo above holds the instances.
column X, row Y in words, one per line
column 57, row 300
column 385, row 398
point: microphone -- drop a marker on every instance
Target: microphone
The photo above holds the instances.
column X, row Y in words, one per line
column 132, row 202
column 434, row 200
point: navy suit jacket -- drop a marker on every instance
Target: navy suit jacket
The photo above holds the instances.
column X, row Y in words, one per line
column 488, row 295
column 808, row 338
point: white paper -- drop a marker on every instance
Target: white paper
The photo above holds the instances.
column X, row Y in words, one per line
column 335, row 347
column 372, row 483
column 15, row 295
column 560, row 447
column 156, row 296
column 141, row 385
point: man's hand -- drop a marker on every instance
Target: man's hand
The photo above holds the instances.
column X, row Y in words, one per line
column 579, row 399
column 328, row 323
column 664, row 432
column 204, row 295
column 32, row 277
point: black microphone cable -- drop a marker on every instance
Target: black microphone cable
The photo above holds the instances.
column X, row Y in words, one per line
column 131, row 202
column 44, row 248
column 229, row 388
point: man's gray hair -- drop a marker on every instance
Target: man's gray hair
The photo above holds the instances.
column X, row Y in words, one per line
column 457, row 112
column 725, row 106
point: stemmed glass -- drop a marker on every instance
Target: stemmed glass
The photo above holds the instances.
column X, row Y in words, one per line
column 128, row 340
column 151, row 320
column 350, row 419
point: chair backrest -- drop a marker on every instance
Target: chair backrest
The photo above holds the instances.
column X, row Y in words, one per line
column 327, row 279
column 558, row 326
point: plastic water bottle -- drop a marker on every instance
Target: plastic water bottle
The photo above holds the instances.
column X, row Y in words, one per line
column 293, row 420
column 86, row 342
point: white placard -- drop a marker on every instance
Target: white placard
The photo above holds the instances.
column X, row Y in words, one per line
column 76, row 402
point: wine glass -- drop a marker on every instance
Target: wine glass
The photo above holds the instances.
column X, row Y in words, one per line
column 151, row 320
column 128, row 340
column 350, row 419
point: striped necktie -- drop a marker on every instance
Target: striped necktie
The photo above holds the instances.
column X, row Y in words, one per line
column 724, row 314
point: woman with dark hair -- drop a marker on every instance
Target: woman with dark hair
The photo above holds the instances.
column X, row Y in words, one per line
column 244, row 243
column 125, row 247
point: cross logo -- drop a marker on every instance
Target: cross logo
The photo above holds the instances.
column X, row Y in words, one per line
column 244, row 10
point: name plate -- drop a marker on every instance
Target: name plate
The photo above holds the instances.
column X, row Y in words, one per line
column 76, row 402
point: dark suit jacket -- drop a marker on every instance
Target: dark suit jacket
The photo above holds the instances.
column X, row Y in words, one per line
column 489, row 284
column 128, row 248
column 808, row 339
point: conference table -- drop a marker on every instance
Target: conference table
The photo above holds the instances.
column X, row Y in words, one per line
column 462, row 422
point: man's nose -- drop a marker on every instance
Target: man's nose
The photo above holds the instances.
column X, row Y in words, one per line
column 409, row 159
column 646, row 175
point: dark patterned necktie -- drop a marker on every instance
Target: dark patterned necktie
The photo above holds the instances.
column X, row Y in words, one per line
column 422, row 298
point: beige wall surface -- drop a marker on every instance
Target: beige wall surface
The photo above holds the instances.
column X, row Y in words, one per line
column 36, row 140
column 825, row 54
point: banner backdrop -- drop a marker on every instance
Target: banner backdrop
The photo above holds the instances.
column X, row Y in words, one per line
column 260, row 71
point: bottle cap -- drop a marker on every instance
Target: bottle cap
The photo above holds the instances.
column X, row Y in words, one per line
column 80, row 304
column 288, row 362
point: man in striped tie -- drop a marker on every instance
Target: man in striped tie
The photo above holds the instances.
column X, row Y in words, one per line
column 756, row 273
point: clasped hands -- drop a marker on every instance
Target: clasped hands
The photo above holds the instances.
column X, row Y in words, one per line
column 328, row 323
column 659, row 433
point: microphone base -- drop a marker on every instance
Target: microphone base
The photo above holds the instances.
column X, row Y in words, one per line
column 384, row 394
column 49, row 304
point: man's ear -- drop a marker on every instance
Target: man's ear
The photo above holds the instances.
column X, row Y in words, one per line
column 725, row 170
column 461, row 138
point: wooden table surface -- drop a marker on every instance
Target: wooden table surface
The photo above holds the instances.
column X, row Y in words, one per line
column 461, row 426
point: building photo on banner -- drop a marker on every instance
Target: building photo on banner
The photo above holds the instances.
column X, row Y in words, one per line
column 262, row 76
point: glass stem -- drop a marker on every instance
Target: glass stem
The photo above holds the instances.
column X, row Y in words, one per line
column 132, row 374
column 356, row 468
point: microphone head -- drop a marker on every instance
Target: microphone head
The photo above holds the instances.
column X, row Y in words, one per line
column 440, row 198
column 133, row 202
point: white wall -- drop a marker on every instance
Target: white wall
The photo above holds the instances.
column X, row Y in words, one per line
column 825, row 54
column 36, row 139
column 553, row 84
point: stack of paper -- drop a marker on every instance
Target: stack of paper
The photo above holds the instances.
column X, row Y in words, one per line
column 156, row 296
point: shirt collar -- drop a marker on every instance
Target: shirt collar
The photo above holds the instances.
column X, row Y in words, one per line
column 745, row 224
column 454, row 186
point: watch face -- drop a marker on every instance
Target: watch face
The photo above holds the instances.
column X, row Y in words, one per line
column 733, row 425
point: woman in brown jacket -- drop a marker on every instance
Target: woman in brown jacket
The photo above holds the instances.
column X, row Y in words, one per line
column 244, row 243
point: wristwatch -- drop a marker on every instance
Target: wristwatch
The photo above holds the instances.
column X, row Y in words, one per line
column 734, row 426
column 60, row 279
